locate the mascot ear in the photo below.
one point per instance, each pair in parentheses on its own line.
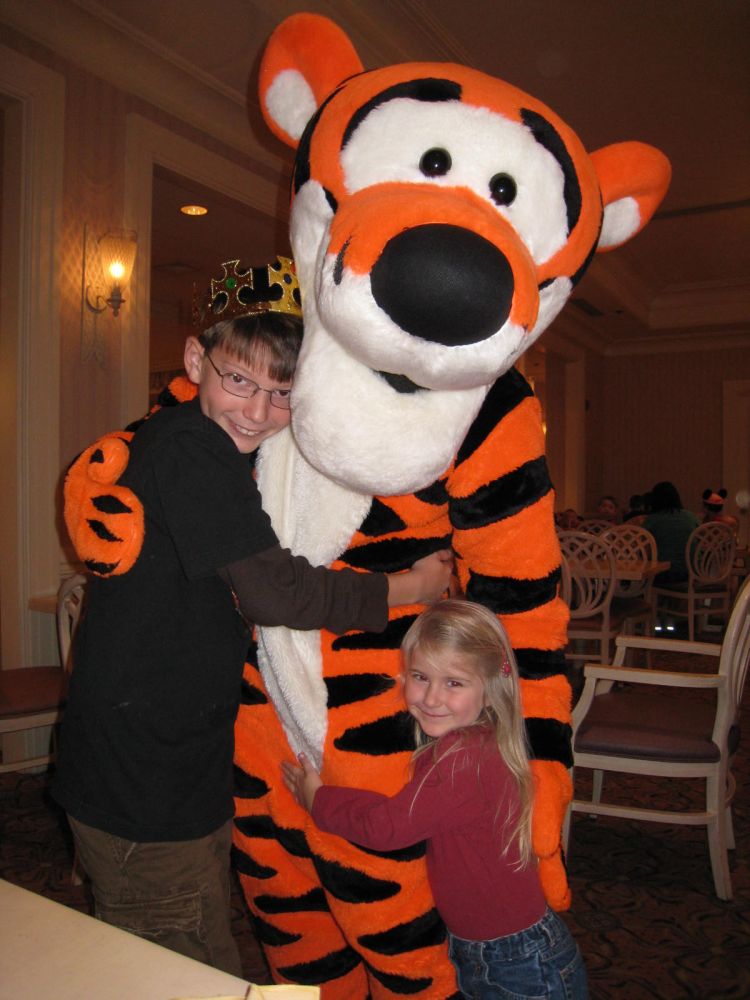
(633,179)
(305,59)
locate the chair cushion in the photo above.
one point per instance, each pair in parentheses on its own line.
(30,690)
(650,724)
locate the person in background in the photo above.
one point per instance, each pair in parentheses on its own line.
(637,509)
(671,526)
(470,797)
(608,509)
(713,509)
(568,520)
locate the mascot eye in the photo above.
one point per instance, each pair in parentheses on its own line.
(435,162)
(503,189)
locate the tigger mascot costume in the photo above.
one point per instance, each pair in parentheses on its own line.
(440,219)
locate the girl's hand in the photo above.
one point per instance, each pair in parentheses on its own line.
(303,781)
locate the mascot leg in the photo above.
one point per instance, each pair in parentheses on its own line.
(360,926)
(300,938)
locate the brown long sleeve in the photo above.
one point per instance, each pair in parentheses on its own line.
(274,587)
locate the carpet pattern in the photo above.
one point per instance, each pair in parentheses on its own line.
(644,911)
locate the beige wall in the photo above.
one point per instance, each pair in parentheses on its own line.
(654,417)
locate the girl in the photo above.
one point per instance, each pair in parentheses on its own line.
(470,798)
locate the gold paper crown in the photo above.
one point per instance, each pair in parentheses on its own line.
(268,288)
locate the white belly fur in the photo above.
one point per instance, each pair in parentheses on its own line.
(314,517)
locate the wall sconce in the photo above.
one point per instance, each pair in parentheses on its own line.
(107,267)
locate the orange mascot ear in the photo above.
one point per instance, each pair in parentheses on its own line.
(633,179)
(305,59)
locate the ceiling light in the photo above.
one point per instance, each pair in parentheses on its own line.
(193,210)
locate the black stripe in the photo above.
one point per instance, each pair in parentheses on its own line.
(263,828)
(428,89)
(245,865)
(400,984)
(101,531)
(423,931)
(547,136)
(313,901)
(351,688)
(550,739)
(391,734)
(267,934)
(390,638)
(504,497)
(393,554)
(505,395)
(589,257)
(251,695)
(436,495)
(322,970)
(411,853)
(248,786)
(100,568)
(381,520)
(109,504)
(351,885)
(507,595)
(538,664)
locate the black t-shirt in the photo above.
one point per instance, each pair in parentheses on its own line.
(147,738)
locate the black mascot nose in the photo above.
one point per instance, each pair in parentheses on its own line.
(444,284)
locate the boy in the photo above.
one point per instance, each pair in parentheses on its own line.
(145,764)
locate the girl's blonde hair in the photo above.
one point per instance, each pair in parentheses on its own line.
(473,632)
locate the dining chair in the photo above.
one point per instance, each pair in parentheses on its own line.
(679,724)
(32,697)
(593,624)
(709,557)
(634,599)
(594,525)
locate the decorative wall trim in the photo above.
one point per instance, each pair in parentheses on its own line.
(31,349)
(147,145)
(92,37)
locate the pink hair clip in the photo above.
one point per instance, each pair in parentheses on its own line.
(505,666)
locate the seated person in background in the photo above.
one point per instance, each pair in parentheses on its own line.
(568,520)
(713,509)
(671,526)
(637,509)
(608,509)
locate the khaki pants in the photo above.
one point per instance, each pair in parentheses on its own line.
(174,893)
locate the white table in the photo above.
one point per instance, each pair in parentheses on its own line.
(49,950)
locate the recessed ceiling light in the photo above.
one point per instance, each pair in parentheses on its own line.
(193,210)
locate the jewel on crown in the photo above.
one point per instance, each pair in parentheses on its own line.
(245,292)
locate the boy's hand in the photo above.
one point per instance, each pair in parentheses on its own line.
(303,781)
(428,580)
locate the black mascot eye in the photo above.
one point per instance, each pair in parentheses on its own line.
(503,189)
(435,162)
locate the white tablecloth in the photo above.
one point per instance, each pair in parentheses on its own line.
(50,952)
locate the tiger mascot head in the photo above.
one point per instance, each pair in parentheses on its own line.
(440,219)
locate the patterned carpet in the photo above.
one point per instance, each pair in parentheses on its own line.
(644,910)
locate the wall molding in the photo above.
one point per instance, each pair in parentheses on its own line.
(148,145)
(32,221)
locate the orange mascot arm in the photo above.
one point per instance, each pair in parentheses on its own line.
(104,520)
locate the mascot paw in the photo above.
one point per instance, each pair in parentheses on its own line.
(553,790)
(554,879)
(104,521)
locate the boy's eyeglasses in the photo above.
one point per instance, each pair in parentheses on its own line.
(238,385)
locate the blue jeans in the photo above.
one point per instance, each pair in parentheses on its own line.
(541,961)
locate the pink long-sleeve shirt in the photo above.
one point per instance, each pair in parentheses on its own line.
(457,800)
